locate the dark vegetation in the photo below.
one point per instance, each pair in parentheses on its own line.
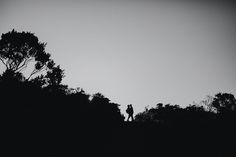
(43,117)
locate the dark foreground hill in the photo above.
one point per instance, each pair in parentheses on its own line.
(27,137)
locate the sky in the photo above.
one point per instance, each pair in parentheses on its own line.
(139,52)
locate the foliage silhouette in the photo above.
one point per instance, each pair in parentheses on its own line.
(43,117)
(104,110)
(174,115)
(224,102)
(17,49)
(43,96)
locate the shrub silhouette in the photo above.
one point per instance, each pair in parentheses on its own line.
(104,110)
(174,115)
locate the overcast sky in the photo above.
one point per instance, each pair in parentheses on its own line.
(135,51)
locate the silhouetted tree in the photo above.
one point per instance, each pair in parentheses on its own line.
(11,84)
(52,79)
(39,81)
(9,76)
(195,108)
(17,49)
(54,76)
(104,110)
(224,103)
(173,115)
(143,116)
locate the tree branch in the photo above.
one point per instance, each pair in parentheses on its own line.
(11,64)
(35,71)
(4,63)
(24,65)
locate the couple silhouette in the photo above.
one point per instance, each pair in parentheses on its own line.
(130,112)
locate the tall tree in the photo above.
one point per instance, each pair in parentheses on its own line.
(18,49)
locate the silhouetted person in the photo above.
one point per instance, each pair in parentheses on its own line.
(130,112)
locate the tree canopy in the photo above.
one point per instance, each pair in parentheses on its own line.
(17,49)
(224,102)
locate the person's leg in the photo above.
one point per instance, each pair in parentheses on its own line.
(132,118)
(128,118)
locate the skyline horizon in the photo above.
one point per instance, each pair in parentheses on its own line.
(139,53)
(124,105)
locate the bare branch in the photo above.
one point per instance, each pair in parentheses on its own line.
(35,71)
(24,64)
(4,62)
(11,64)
